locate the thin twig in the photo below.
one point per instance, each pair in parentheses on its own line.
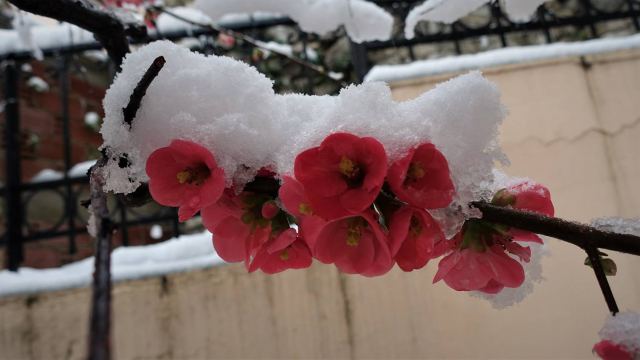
(254,42)
(140,90)
(595,258)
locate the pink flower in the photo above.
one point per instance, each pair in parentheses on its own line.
(479,257)
(343,175)
(226,41)
(355,244)
(296,202)
(286,251)
(185,175)
(237,225)
(608,350)
(422,178)
(527,196)
(488,271)
(413,234)
(269,210)
(294,198)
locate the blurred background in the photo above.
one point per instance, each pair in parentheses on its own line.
(570,77)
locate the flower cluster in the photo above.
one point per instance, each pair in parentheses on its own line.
(346,205)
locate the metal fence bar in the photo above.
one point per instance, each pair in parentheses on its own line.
(632,6)
(70,205)
(13,209)
(360,60)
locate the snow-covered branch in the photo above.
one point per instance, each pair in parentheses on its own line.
(362,20)
(449,11)
(110,30)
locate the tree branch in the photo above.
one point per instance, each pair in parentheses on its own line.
(107,28)
(580,235)
(100,323)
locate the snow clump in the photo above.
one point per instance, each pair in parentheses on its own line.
(363,20)
(230,108)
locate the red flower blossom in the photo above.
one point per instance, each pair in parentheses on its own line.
(487,271)
(608,350)
(296,202)
(355,244)
(421,178)
(413,234)
(185,175)
(237,231)
(343,175)
(528,196)
(285,251)
(479,258)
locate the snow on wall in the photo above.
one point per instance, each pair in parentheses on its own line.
(363,21)
(448,11)
(230,108)
(498,57)
(187,252)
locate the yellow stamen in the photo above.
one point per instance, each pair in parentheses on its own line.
(184,176)
(305,209)
(416,171)
(194,176)
(347,167)
(415,228)
(354,232)
(284,255)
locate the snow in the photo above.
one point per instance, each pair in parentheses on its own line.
(47,175)
(156,232)
(187,252)
(92,119)
(44,37)
(498,57)
(623,329)
(38,84)
(22,23)
(40,36)
(618,225)
(363,21)
(81,169)
(285,49)
(76,171)
(521,10)
(446,11)
(449,11)
(230,108)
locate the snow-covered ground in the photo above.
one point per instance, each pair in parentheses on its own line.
(498,57)
(187,252)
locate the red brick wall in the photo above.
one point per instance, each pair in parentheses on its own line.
(41,117)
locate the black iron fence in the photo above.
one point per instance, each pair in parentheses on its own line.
(582,19)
